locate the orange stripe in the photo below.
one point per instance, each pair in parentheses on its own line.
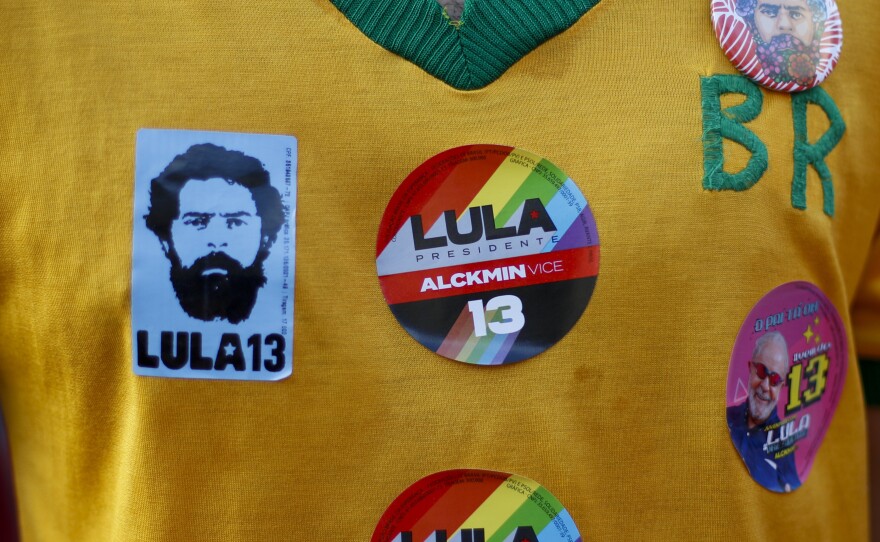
(456,506)
(430,190)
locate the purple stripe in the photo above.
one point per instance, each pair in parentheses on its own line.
(576,236)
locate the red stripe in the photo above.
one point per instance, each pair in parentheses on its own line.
(556,266)
(457,505)
(397,519)
(429,191)
(444,502)
(463,184)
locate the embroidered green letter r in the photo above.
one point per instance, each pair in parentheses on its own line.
(806,154)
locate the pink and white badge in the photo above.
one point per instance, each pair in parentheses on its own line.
(784,45)
(786,374)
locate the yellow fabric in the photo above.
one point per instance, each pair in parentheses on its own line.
(623,420)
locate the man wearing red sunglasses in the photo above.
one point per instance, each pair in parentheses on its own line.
(749,420)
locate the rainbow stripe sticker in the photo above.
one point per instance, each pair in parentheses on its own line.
(487,254)
(476,506)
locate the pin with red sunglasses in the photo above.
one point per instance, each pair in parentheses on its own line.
(786,374)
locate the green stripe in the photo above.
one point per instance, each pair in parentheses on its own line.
(535,186)
(531,514)
(492,36)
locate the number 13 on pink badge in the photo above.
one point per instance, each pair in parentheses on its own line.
(786,374)
(487,254)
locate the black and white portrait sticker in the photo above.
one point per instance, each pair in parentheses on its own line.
(213,255)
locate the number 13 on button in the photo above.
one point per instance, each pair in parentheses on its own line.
(487,254)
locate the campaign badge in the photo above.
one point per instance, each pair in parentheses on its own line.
(487,254)
(786,375)
(213,255)
(476,506)
(785,45)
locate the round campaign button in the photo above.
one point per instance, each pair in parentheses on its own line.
(786,374)
(785,45)
(476,506)
(487,254)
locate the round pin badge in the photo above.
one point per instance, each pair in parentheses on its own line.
(786,374)
(476,506)
(784,45)
(487,254)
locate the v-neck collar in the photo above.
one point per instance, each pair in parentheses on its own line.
(491,36)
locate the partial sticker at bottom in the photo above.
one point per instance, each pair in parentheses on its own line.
(786,374)
(476,506)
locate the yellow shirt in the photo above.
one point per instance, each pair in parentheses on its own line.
(623,420)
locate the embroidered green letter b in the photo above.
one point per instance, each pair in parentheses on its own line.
(728,123)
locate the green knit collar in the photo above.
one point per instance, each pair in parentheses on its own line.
(491,37)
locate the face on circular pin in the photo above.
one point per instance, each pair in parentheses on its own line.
(487,254)
(787,371)
(784,45)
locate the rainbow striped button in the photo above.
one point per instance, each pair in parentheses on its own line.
(476,506)
(487,254)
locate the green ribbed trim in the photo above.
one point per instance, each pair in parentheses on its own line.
(491,36)
(871,380)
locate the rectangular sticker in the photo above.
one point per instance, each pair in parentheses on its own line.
(213,255)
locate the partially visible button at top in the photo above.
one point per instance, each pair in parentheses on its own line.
(784,45)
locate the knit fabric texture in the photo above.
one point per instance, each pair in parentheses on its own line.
(623,420)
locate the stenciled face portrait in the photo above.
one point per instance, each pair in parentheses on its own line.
(216,216)
(768,370)
(213,250)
